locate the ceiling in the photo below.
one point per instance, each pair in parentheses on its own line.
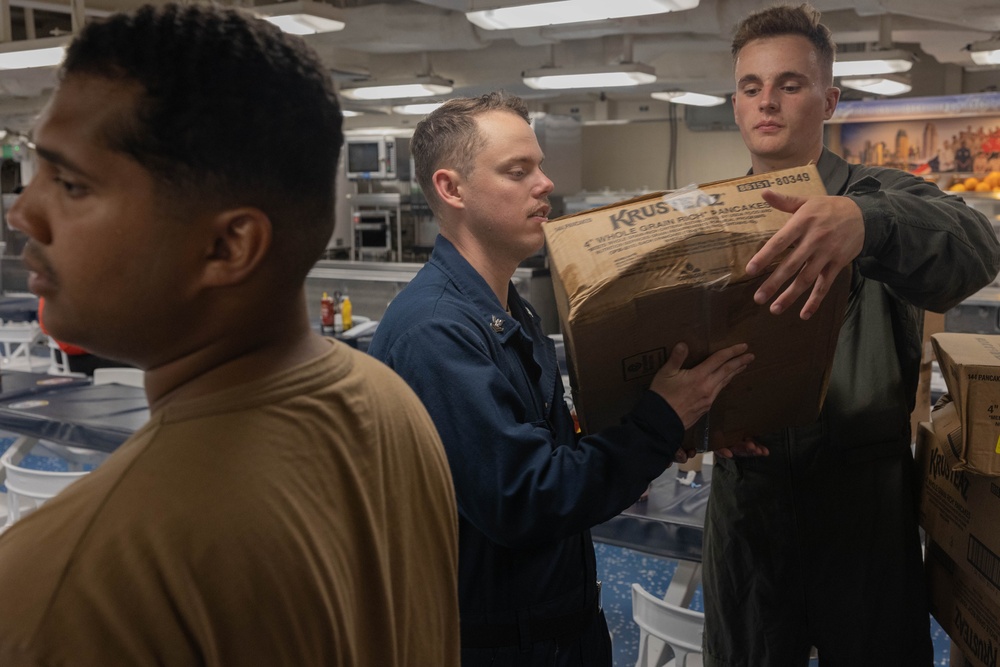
(689,50)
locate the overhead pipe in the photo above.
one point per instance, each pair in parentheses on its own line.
(885,32)
(77,15)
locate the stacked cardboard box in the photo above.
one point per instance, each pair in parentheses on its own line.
(970,364)
(958,506)
(964,610)
(635,278)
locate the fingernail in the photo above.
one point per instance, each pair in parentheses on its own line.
(776,308)
(760,297)
(805,315)
(751,268)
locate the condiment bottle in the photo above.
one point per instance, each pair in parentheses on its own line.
(326,313)
(345,312)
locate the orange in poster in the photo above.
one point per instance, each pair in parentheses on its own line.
(983,187)
(957,187)
(971,182)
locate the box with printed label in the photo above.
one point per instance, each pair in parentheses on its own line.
(970,618)
(970,364)
(958,509)
(635,278)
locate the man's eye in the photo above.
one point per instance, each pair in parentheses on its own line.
(71,188)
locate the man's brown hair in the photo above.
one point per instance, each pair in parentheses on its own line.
(448,137)
(788,20)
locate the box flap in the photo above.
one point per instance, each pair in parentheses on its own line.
(701,237)
(970,365)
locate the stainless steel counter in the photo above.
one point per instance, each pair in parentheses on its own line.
(980,313)
(669,522)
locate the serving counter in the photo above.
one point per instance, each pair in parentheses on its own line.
(372,285)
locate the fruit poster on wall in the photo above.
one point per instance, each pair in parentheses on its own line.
(932,137)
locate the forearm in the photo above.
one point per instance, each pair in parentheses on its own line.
(930,247)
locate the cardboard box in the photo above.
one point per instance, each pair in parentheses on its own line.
(959,510)
(970,364)
(955,656)
(971,619)
(635,278)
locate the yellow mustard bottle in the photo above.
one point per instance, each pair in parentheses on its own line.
(345,312)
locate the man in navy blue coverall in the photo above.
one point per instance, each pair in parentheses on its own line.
(528,489)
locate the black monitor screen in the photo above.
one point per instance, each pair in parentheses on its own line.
(362,157)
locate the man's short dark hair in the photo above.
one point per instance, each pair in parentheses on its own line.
(788,20)
(448,137)
(232,112)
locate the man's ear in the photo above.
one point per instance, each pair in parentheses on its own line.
(446,185)
(832,97)
(240,240)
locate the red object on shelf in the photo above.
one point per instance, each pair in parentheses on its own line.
(327,311)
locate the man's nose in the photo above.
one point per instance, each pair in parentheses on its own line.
(547,185)
(14,217)
(768,100)
(24,217)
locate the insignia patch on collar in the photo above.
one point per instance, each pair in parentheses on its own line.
(497,324)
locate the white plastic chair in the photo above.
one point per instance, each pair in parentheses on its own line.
(16,342)
(131,377)
(668,633)
(27,488)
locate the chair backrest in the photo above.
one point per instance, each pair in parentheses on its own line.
(679,628)
(17,342)
(132,377)
(29,487)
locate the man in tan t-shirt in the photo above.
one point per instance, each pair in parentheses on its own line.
(289,502)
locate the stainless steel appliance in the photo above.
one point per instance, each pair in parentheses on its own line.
(372,232)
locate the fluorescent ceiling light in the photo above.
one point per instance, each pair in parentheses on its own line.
(879,85)
(612,76)
(302,17)
(382,131)
(985,53)
(29,53)
(418,86)
(417,109)
(864,63)
(572,11)
(682,97)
